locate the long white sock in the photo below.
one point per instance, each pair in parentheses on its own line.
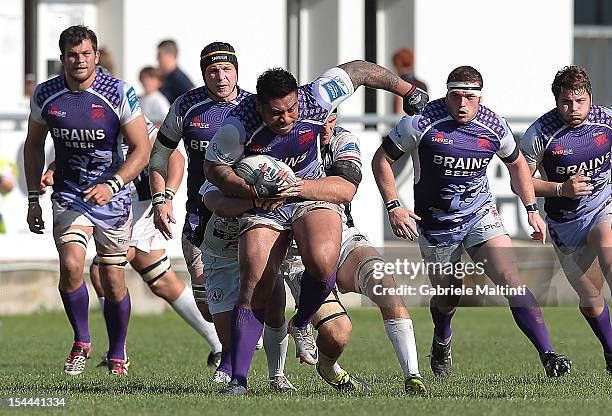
(186,307)
(101,300)
(329,367)
(401,335)
(275,341)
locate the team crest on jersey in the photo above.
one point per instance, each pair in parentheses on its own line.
(97,112)
(560,151)
(56,112)
(196,122)
(600,139)
(440,139)
(483,142)
(305,136)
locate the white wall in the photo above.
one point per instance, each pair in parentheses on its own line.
(256,28)
(517,46)
(11,51)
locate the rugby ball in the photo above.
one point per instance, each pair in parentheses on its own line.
(248,168)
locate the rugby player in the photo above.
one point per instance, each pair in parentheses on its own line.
(451,144)
(147,254)
(221,271)
(87,113)
(341,155)
(570,147)
(283,121)
(195,117)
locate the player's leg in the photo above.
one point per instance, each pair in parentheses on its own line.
(276,340)
(71,242)
(600,238)
(317,230)
(357,273)
(112,248)
(261,251)
(222,286)
(499,262)
(441,306)
(94,276)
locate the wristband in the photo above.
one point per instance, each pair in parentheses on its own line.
(158,199)
(169,193)
(391,205)
(115,183)
(560,189)
(33,196)
(531,208)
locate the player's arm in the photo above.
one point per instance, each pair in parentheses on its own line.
(227,206)
(335,189)
(521,183)
(33,162)
(375,76)
(400,218)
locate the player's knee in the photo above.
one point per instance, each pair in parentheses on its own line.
(367,275)
(71,265)
(336,333)
(153,273)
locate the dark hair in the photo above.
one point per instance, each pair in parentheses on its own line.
(217,52)
(571,78)
(149,71)
(275,83)
(168,46)
(465,73)
(74,35)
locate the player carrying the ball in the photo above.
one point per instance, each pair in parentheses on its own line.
(283,121)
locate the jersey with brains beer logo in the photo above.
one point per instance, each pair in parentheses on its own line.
(562,151)
(450,161)
(86,131)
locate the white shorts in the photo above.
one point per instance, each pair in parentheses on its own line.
(115,240)
(292,268)
(145,237)
(222,283)
(281,219)
(569,241)
(488,227)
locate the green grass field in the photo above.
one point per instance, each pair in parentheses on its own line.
(496,370)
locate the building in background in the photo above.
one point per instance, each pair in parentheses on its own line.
(517,45)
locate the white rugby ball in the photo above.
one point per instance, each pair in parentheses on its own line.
(246,168)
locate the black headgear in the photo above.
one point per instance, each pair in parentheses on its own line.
(218,52)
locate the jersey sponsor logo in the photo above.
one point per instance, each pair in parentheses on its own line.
(600,139)
(78,138)
(293,161)
(196,122)
(461,166)
(199,145)
(56,112)
(257,148)
(305,136)
(132,98)
(560,151)
(350,147)
(440,139)
(589,168)
(335,89)
(97,112)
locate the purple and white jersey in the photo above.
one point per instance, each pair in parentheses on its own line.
(195,118)
(450,162)
(244,133)
(560,151)
(86,131)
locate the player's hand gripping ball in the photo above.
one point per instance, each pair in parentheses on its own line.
(265,174)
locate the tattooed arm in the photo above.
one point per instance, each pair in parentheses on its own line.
(375,76)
